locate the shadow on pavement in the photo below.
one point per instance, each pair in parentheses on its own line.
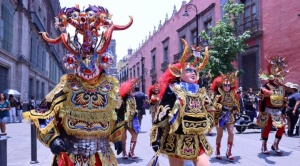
(129,161)
(211,134)
(143,132)
(273,154)
(252,132)
(225,160)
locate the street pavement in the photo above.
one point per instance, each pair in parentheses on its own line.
(246,149)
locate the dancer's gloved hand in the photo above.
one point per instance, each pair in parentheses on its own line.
(224,108)
(234,108)
(118,147)
(57,146)
(156,145)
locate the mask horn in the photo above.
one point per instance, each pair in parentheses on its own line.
(205,60)
(184,54)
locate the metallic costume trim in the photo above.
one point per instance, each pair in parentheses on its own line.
(185,147)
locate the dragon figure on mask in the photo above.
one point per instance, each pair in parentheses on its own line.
(77,120)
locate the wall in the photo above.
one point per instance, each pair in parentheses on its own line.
(281,34)
(170,30)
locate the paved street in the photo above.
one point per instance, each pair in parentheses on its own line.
(246,149)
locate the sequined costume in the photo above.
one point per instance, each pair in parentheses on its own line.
(77,120)
(130,119)
(272,101)
(227,105)
(182,119)
(228,100)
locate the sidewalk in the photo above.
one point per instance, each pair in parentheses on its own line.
(246,149)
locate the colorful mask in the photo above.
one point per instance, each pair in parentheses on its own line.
(190,60)
(87,57)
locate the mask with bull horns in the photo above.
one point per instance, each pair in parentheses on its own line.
(87,48)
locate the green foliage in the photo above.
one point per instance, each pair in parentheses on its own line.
(224,43)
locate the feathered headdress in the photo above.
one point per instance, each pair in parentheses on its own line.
(276,69)
(230,78)
(152,88)
(127,87)
(190,57)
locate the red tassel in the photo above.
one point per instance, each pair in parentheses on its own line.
(64,160)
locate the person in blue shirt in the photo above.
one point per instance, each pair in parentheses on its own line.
(140,99)
(293,112)
(4,112)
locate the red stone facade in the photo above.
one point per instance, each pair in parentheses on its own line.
(274,31)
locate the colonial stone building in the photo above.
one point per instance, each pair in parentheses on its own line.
(27,63)
(273,29)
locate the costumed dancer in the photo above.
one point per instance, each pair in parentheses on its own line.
(227,105)
(182,119)
(272,102)
(154,99)
(77,119)
(131,116)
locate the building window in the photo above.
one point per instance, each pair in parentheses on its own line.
(153,62)
(166,53)
(207,23)
(43,90)
(133,68)
(249,63)
(30,90)
(44,60)
(39,57)
(194,36)
(130,72)
(33,52)
(37,90)
(138,71)
(250,10)
(3,78)
(7,31)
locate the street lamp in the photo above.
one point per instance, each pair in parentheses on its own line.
(186,15)
(144,70)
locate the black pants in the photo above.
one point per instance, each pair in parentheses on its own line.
(293,120)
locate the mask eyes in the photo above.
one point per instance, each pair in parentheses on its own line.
(226,85)
(91,14)
(75,15)
(190,70)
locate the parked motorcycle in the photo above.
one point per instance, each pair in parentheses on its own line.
(244,122)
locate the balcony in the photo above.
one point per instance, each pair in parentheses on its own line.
(177,56)
(164,65)
(36,20)
(252,26)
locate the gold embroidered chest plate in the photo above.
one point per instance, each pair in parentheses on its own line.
(277,97)
(90,110)
(192,111)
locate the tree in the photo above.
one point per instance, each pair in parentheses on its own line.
(224,43)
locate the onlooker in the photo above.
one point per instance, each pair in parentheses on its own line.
(140,99)
(32,103)
(288,92)
(293,109)
(241,99)
(19,109)
(12,111)
(250,103)
(4,112)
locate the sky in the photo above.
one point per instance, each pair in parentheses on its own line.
(146,14)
